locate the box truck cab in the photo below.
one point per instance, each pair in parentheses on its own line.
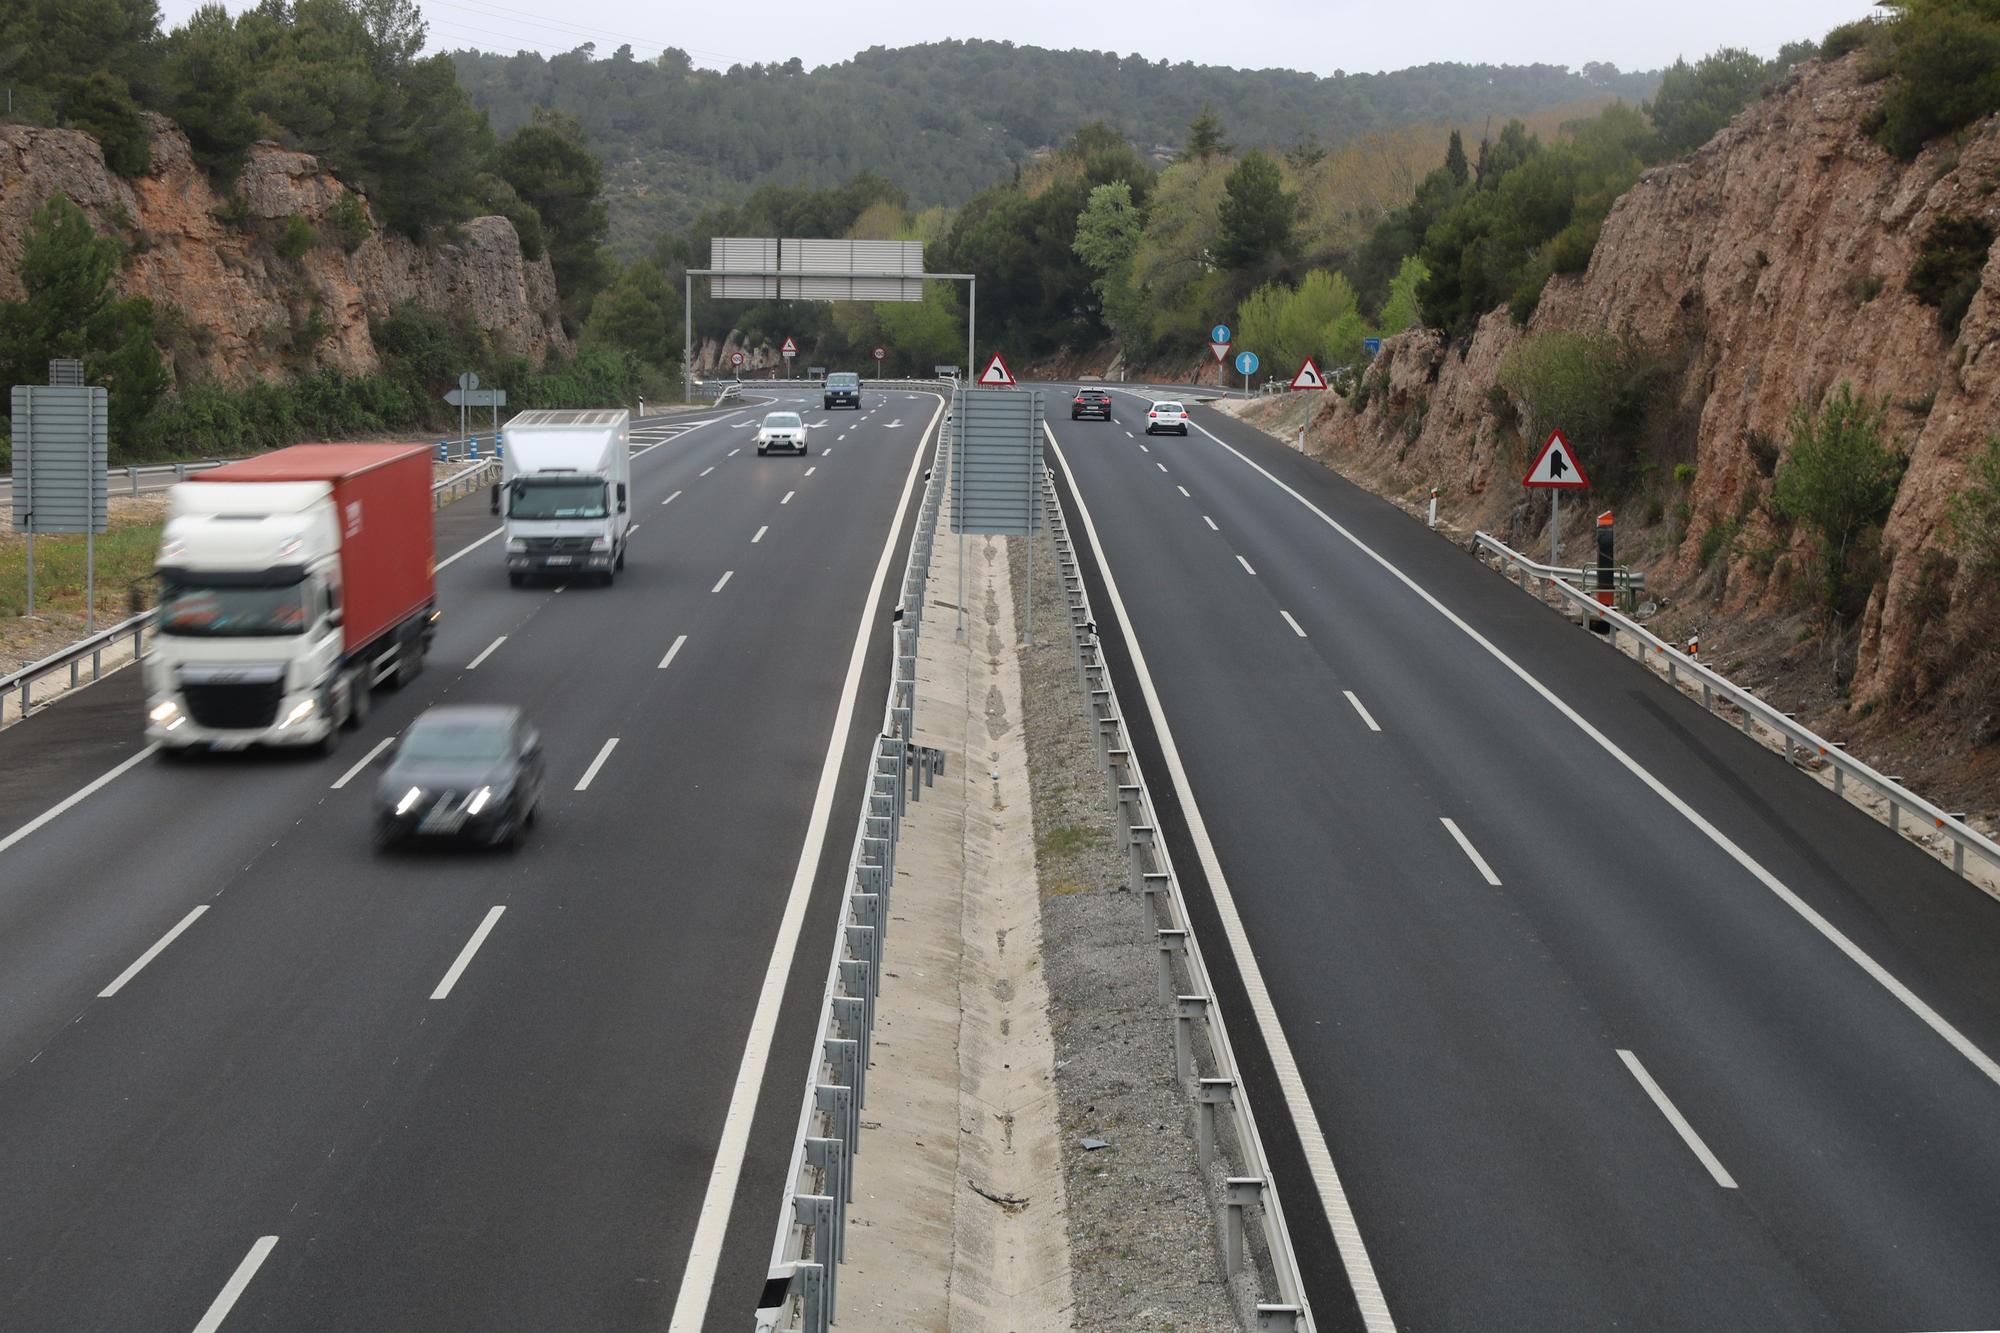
(564,491)
(291,585)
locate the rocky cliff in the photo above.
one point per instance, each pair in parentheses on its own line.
(1762,271)
(250,312)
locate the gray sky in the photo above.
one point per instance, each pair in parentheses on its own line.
(1354,35)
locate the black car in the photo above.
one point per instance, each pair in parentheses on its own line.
(1090,403)
(842,390)
(467,771)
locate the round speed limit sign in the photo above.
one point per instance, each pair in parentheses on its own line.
(881,353)
(736,359)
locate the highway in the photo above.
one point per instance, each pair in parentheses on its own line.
(254,1074)
(1603,1017)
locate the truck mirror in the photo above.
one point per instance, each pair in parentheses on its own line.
(621,497)
(335,618)
(496,497)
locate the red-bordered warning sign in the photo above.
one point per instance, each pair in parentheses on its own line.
(1555,466)
(790,348)
(1309,377)
(996,373)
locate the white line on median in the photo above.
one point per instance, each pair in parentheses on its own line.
(1678,1121)
(1246,566)
(760,534)
(232,1291)
(724,579)
(76,797)
(1296,627)
(1465,845)
(473,665)
(380,746)
(788,497)
(719,1197)
(151,954)
(668,660)
(583,783)
(1211,523)
(1366,716)
(465,954)
(671,498)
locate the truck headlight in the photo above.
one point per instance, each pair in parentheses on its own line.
(165,711)
(600,544)
(517,546)
(300,712)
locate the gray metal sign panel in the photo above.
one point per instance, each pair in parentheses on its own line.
(477,398)
(61,445)
(996,461)
(757,254)
(758,268)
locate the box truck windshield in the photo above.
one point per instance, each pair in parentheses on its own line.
(534,497)
(197,610)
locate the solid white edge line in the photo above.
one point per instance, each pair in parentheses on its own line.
(1678,1121)
(1297,628)
(1246,566)
(1354,1258)
(465,955)
(724,579)
(705,1254)
(369,758)
(1360,708)
(583,783)
(464,551)
(1471,852)
(668,660)
(485,653)
(232,1290)
(76,797)
(760,534)
(150,954)
(1937,1023)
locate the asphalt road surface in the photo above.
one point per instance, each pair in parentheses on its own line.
(460,1090)
(1606,1018)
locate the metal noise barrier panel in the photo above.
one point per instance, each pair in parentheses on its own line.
(812,1223)
(1226,1136)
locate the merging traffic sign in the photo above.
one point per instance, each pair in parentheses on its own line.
(996,373)
(790,348)
(1309,377)
(1555,467)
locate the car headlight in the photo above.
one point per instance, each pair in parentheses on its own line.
(479,800)
(517,546)
(409,801)
(164,711)
(600,544)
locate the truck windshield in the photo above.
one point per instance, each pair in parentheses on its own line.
(557,499)
(195,610)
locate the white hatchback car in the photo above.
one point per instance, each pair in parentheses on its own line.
(782,430)
(1166,416)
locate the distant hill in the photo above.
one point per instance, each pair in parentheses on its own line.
(944,120)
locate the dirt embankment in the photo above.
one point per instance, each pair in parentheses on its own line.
(214,262)
(1763,271)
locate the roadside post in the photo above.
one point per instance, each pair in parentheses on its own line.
(788,351)
(1604,570)
(1555,471)
(1434,507)
(881,353)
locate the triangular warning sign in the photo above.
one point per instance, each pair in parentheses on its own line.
(1309,377)
(790,348)
(996,373)
(1556,466)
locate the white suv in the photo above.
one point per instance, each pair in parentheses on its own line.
(782,430)
(1166,416)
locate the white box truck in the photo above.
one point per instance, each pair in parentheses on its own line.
(564,491)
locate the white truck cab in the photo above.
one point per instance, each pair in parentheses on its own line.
(565,493)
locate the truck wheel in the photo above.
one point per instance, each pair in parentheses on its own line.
(621,561)
(410,661)
(358,701)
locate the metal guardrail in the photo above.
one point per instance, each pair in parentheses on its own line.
(812,1222)
(1800,741)
(134,478)
(22,682)
(1204,1060)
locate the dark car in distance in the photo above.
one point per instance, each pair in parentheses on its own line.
(1090,403)
(472,772)
(843,389)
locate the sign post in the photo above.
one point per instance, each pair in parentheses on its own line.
(61,443)
(788,351)
(736,364)
(1218,346)
(880,354)
(1555,471)
(1246,366)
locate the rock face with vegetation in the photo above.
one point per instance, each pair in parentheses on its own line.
(288,272)
(1700,359)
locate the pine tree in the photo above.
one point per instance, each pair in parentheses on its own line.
(1257,213)
(1454,159)
(1205,137)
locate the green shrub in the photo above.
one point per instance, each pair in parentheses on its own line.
(1604,393)
(1945,55)
(1972,519)
(1839,482)
(295,239)
(347,223)
(1850,37)
(1684,474)
(1719,539)
(1948,267)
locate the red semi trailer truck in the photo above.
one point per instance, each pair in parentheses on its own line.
(291,586)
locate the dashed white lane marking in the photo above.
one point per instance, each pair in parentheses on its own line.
(1678,1121)
(1183,490)
(590,774)
(733,452)
(788,497)
(1296,627)
(724,579)
(485,653)
(1144,450)
(380,746)
(760,534)
(1472,853)
(1211,523)
(232,1291)
(1246,566)
(668,660)
(150,954)
(671,498)
(809,471)
(1366,716)
(465,954)
(710,468)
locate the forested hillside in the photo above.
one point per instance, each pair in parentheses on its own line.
(947,119)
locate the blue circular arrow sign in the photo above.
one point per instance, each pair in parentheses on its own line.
(1246,363)
(1219,334)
